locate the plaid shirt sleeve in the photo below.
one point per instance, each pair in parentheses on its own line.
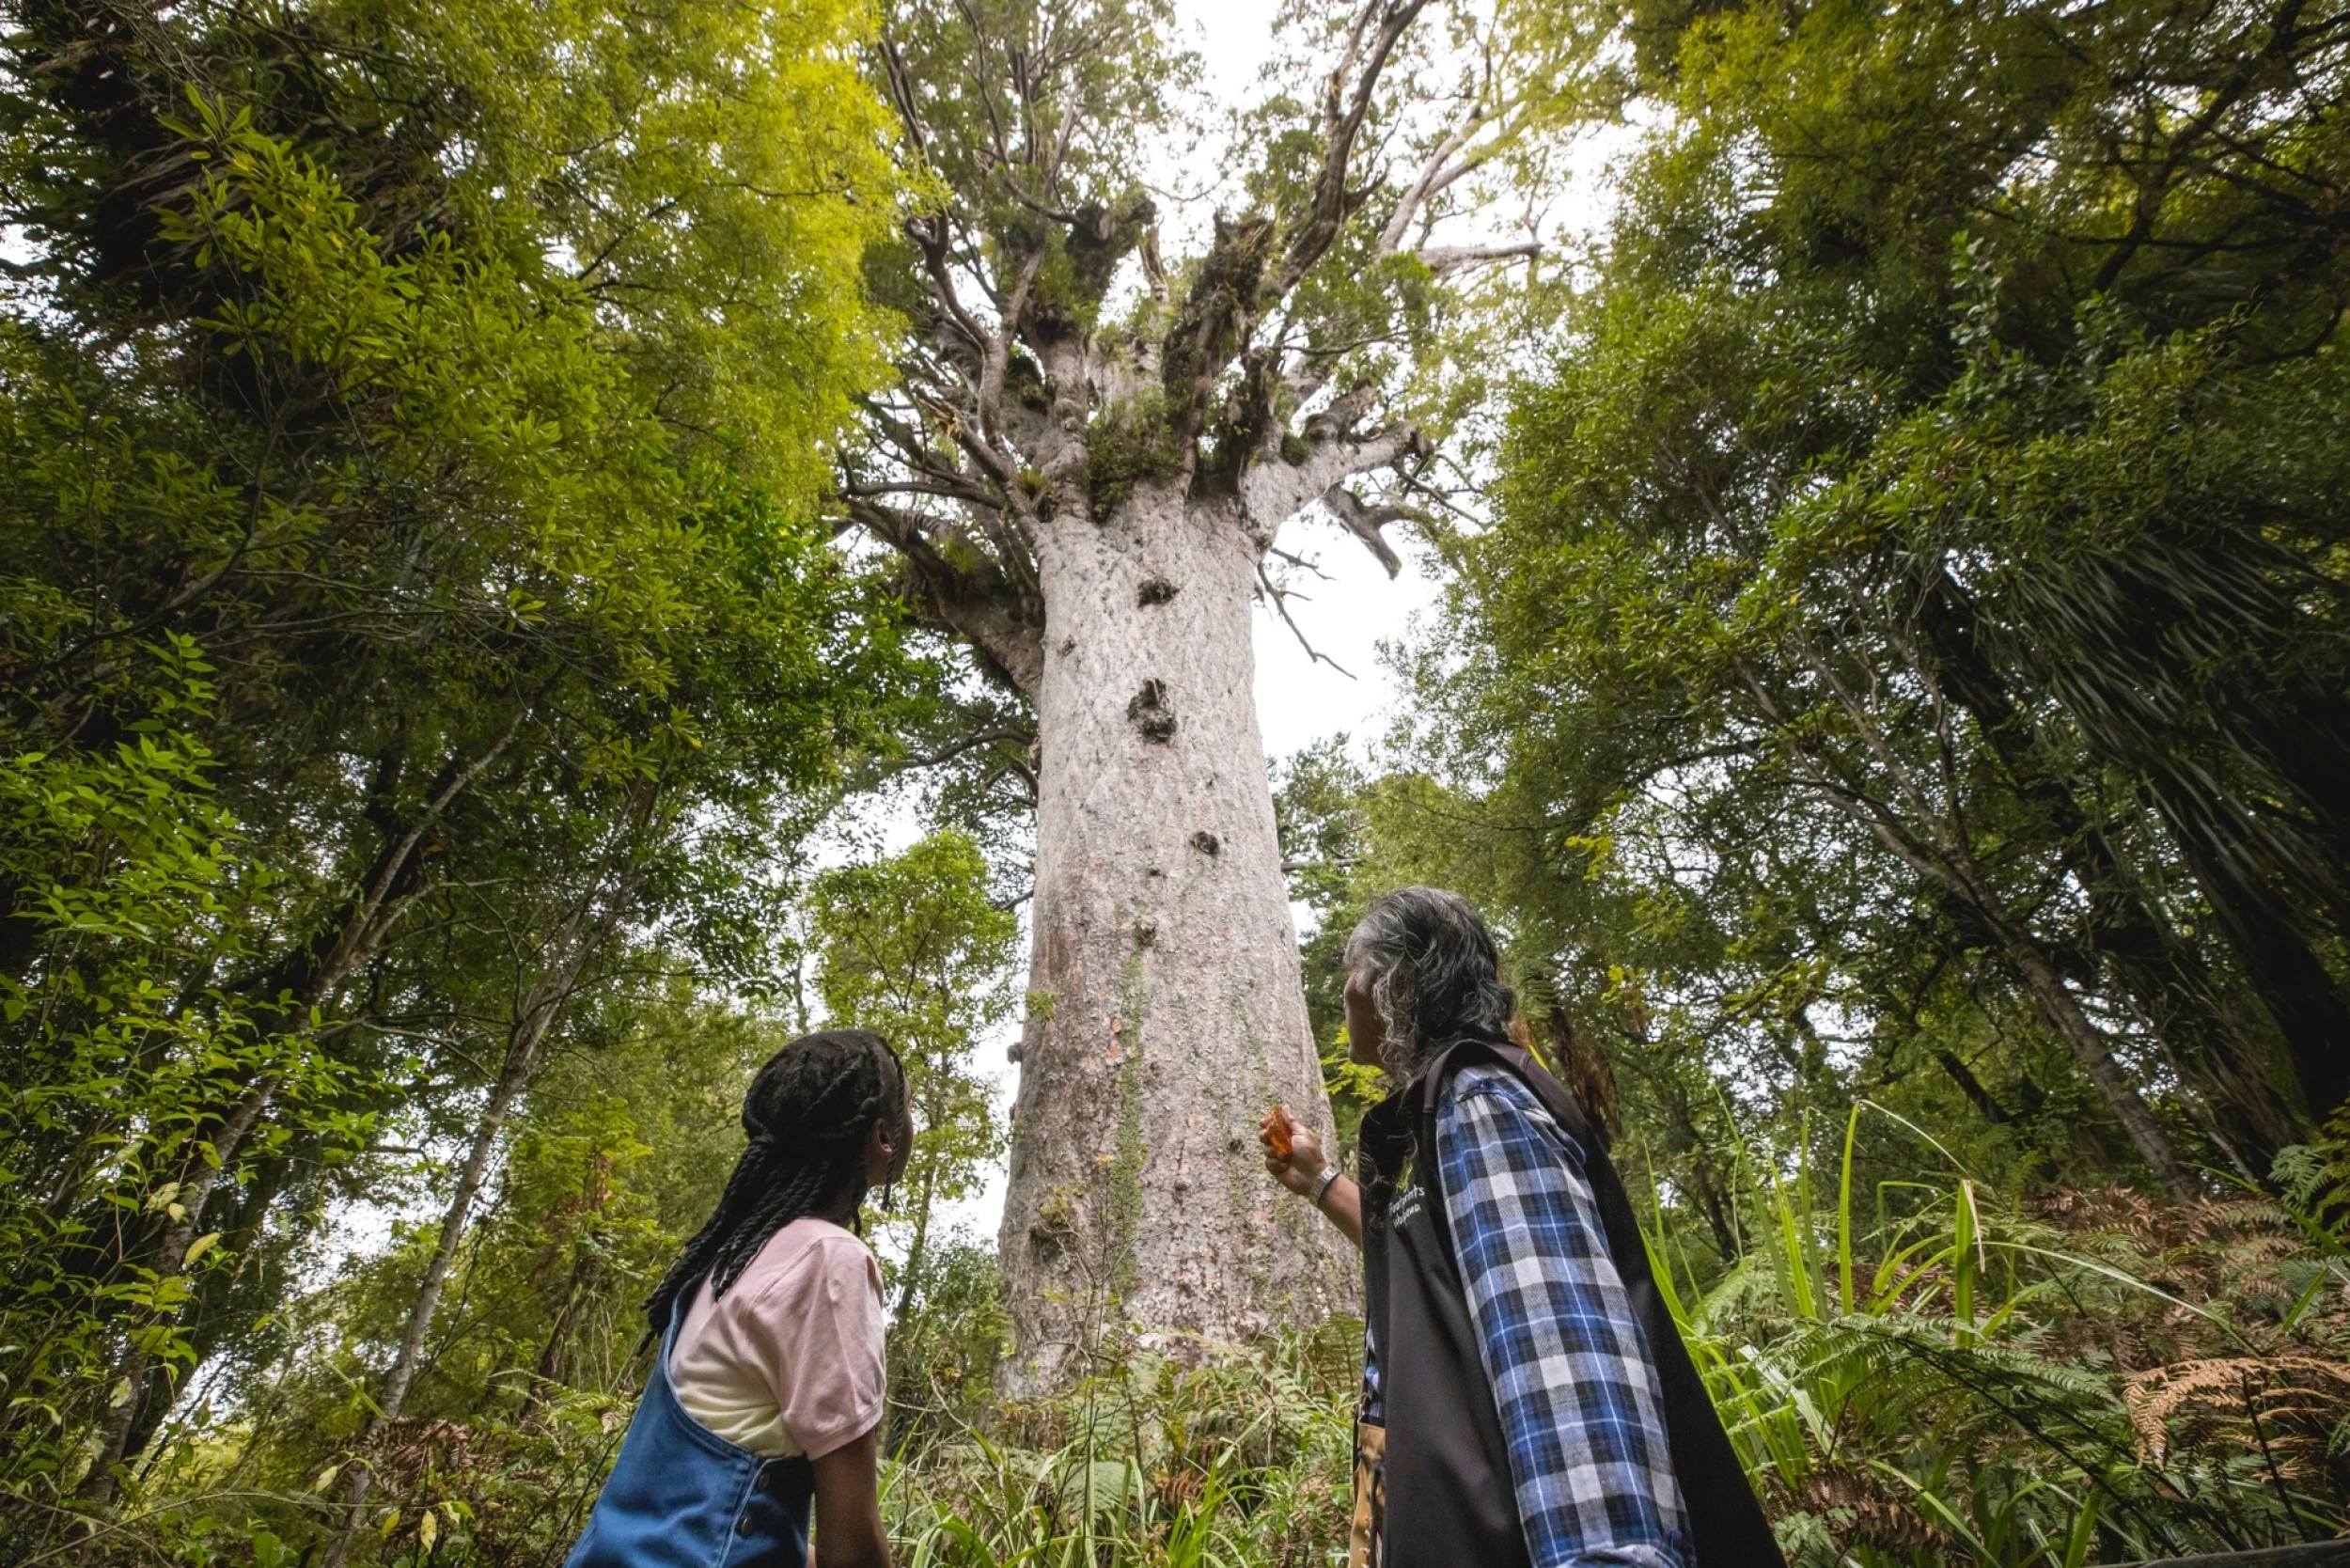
(1580,1403)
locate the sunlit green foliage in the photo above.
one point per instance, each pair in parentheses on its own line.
(914,945)
(415,631)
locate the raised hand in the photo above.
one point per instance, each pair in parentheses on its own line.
(1292,1154)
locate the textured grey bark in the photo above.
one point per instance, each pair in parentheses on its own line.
(1170,1014)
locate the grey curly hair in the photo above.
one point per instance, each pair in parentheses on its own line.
(1434,975)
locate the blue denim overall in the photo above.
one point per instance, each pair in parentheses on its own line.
(683,1496)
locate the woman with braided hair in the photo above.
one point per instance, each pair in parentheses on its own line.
(767,1392)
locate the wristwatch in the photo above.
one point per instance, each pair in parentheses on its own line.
(1321,1184)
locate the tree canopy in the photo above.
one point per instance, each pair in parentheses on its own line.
(1907,574)
(417,628)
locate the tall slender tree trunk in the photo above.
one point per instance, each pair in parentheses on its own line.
(2094,1052)
(307,976)
(916,1250)
(171,1259)
(539,1009)
(1170,1013)
(1956,868)
(1954,864)
(586,1276)
(1932,838)
(393,1396)
(2196,1024)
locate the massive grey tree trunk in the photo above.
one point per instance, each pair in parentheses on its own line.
(1168,1014)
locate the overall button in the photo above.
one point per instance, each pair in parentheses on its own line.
(744,1524)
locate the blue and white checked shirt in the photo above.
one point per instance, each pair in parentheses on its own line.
(1581,1407)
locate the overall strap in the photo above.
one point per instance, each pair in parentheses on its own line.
(680,1307)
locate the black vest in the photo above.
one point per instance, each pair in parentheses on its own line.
(1449,1501)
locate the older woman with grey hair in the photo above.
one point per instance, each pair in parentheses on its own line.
(1526,1397)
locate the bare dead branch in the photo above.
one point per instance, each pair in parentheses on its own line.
(988,735)
(1277,596)
(1444,261)
(1343,121)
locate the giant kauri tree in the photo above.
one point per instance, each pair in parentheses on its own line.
(1092,451)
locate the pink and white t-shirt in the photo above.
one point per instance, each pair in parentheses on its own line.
(790,1359)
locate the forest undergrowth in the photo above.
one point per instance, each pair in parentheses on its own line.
(1926,1373)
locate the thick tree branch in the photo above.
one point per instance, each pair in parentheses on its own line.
(991,399)
(1444,261)
(980,604)
(989,735)
(1343,122)
(1278,490)
(1436,175)
(1364,523)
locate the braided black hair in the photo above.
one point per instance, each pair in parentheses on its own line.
(809,1113)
